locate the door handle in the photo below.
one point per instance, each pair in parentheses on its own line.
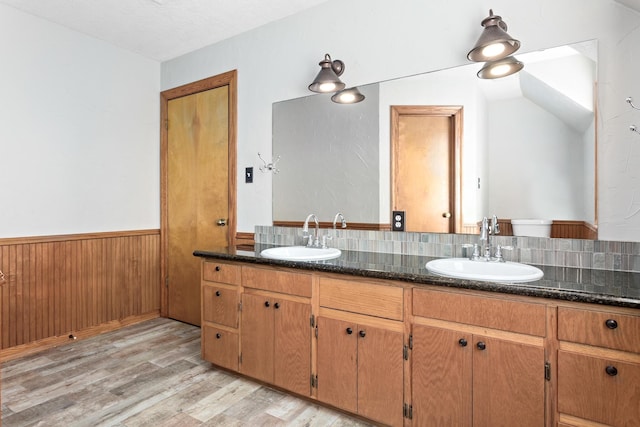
(221,222)
(446,215)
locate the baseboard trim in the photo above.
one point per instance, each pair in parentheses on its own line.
(46,343)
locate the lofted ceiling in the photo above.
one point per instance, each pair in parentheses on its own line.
(165,29)
(161,29)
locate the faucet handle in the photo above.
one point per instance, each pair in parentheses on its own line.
(499,250)
(324,240)
(476,251)
(309,238)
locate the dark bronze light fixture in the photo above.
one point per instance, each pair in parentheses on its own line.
(494,43)
(328,79)
(348,96)
(500,68)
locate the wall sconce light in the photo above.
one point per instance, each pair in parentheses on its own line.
(328,79)
(348,96)
(494,43)
(495,47)
(500,68)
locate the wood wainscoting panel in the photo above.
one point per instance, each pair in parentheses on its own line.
(59,285)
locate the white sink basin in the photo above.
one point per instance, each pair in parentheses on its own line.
(504,272)
(301,253)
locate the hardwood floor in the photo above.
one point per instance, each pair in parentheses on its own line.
(149,374)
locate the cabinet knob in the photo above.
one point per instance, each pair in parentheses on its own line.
(218,336)
(276,305)
(481,345)
(217,293)
(266,304)
(217,268)
(462,342)
(362,333)
(611,324)
(611,371)
(349,331)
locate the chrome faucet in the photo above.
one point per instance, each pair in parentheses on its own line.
(313,241)
(487,229)
(343,221)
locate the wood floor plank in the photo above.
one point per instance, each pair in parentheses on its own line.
(147,374)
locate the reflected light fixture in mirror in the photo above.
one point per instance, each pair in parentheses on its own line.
(500,68)
(328,79)
(494,43)
(348,96)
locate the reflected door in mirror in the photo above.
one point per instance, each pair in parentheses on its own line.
(424,166)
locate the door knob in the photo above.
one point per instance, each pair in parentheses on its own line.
(362,333)
(221,222)
(481,345)
(446,215)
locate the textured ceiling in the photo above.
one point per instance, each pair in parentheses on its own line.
(165,29)
(162,29)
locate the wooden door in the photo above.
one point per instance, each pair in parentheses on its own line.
(508,384)
(425,152)
(441,363)
(197,192)
(257,338)
(292,361)
(337,363)
(380,375)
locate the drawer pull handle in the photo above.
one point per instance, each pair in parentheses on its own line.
(266,304)
(217,268)
(462,342)
(612,371)
(481,345)
(362,333)
(276,305)
(217,293)
(218,336)
(349,331)
(611,324)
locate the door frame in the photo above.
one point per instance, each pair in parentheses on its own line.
(455,113)
(229,79)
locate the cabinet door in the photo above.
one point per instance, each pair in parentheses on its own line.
(220,347)
(441,363)
(292,369)
(220,305)
(599,389)
(380,375)
(508,383)
(257,337)
(337,363)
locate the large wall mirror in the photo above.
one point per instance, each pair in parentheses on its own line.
(528,147)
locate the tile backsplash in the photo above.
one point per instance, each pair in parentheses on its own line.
(593,254)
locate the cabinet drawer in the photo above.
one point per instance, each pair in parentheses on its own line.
(220,347)
(277,281)
(220,305)
(615,331)
(586,390)
(363,298)
(221,272)
(506,315)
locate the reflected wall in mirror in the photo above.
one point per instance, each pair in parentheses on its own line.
(528,145)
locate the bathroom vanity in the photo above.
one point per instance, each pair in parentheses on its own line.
(376,335)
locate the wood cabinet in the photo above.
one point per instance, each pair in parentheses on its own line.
(401,354)
(360,357)
(598,366)
(276,329)
(465,374)
(220,312)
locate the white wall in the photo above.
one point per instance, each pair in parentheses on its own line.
(79,132)
(379,40)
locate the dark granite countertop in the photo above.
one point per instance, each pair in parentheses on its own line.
(564,283)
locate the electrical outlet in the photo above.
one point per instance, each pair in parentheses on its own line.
(248,175)
(397,221)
